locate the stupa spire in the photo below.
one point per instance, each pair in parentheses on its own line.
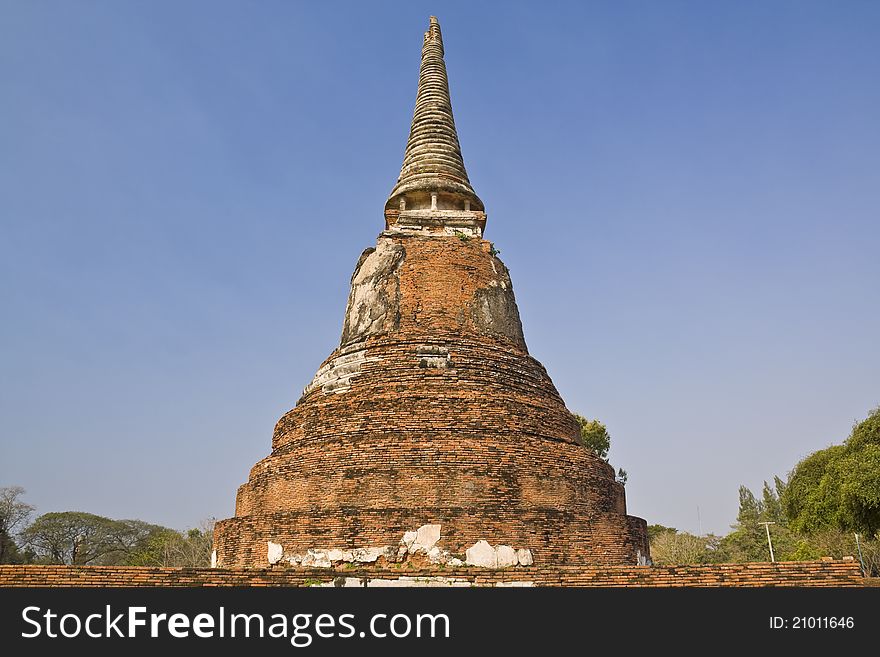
(432,163)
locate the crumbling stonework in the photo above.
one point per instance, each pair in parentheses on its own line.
(374,301)
(437,418)
(494,309)
(431,412)
(417,548)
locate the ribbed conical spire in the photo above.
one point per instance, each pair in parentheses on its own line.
(433,162)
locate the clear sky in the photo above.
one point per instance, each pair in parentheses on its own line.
(686,194)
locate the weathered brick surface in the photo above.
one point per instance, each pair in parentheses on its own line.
(810,573)
(447,419)
(431,411)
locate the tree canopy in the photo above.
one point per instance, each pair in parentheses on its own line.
(595,436)
(77,538)
(838,488)
(829,495)
(13,514)
(748,539)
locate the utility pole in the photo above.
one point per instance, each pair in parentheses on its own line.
(769,542)
(861,559)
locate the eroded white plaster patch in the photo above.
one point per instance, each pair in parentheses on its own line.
(467,231)
(409,538)
(315,559)
(436,555)
(506,556)
(485,555)
(274,552)
(368,555)
(335,377)
(524,557)
(432,356)
(481,554)
(424,540)
(518,584)
(374,291)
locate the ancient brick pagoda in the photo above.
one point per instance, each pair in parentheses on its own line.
(430,435)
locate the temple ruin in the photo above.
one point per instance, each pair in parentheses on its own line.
(430,435)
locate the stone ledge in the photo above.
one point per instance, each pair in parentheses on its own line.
(789,574)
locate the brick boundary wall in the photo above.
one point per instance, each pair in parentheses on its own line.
(838,573)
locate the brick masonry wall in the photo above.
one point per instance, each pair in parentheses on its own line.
(807,573)
(431,411)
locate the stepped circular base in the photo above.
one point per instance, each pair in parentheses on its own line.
(479,443)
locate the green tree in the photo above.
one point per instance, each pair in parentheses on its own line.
(13,514)
(748,540)
(595,436)
(671,548)
(168,547)
(771,502)
(153,552)
(656,530)
(745,542)
(71,537)
(838,488)
(127,538)
(77,538)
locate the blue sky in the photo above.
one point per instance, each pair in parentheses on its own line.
(686,194)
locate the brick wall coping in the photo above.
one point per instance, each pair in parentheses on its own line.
(838,573)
